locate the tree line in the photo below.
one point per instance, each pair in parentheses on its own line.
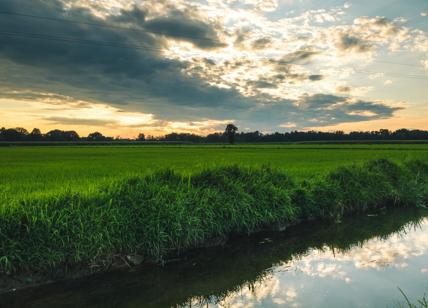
(230,135)
(21,134)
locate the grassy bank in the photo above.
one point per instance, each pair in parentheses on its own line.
(164,213)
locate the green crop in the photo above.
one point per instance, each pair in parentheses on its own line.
(162,213)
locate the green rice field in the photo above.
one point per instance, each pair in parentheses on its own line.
(44,169)
(72,207)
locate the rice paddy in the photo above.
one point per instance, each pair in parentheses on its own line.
(29,170)
(68,207)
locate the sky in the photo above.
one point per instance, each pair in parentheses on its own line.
(124,67)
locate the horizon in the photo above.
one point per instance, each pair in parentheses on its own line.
(238,132)
(129,67)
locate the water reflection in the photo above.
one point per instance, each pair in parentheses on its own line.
(292,283)
(357,263)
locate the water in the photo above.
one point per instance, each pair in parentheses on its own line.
(358,263)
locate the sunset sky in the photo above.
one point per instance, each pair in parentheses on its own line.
(123,67)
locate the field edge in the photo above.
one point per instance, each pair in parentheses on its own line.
(148,218)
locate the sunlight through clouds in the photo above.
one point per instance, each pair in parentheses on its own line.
(216,60)
(90,116)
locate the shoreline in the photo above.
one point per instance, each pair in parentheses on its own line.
(266,248)
(146,219)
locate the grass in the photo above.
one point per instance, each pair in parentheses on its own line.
(41,170)
(421,303)
(157,214)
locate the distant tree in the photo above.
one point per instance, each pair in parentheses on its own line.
(96,136)
(384,133)
(402,134)
(54,135)
(71,135)
(249,136)
(230,132)
(14,134)
(36,132)
(35,135)
(60,135)
(22,130)
(2,130)
(215,138)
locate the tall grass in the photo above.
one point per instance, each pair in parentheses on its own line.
(166,212)
(421,303)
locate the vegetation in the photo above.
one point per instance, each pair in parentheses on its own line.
(46,170)
(229,135)
(240,265)
(421,303)
(167,212)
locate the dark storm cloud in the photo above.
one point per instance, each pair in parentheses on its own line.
(319,110)
(332,109)
(135,16)
(378,109)
(319,101)
(177,25)
(100,63)
(344,104)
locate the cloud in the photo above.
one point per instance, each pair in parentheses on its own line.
(29,95)
(257,78)
(375,110)
(302,56)
(376,76)
(316,77)
(367,34)
(343,89)
(182,62)
(349,42)
(179,26)
(288,125)
(80,121)
(267,5)
(257,5)
(118,72)
(261,43)
(319,110)
(262,84)
(319,101)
